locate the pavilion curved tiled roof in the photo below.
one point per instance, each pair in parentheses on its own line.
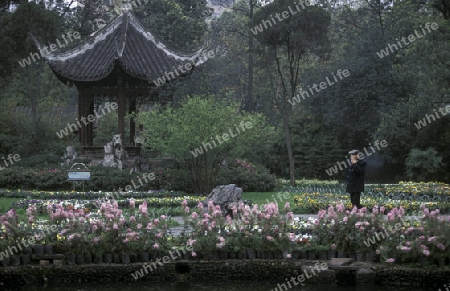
(124,42)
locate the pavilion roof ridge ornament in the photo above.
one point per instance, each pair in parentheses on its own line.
(124,36)
(89,43)
(123,43)
(149,36)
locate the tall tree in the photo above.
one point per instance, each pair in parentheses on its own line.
(291,33)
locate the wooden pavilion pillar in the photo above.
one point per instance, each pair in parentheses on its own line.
(122,107)
(132,123)
(85,107)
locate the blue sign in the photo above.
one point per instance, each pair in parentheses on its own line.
(78,176)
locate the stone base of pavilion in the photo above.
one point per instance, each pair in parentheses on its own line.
(339,271)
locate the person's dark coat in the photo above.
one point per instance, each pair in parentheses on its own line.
(355,176)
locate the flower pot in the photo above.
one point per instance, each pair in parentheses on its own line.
(144,257)
(187,256)
(304,254)
(268,255)
(423,261)
(311,255)
(369,257)
(359,257)
(241,255)
(440,261)
(25,259)
(48,249)
(71,259)
(4,262)
(232,255)
(125,259)
(208,255)
(260,254)
(295,255)
(108,258)
(14,260)
(223,255)
(27,250)
(342,254)
(98,258)
(323,255)
(251,253)
(277,255)
(134,258)
(87,258)
(331,254)
(80,259)
(39,250)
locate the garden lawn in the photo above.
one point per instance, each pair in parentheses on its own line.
(268,197)
(5,204)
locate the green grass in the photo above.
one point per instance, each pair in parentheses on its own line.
(5,203)
(267,197)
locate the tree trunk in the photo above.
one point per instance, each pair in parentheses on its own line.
(287,135)
(249,106)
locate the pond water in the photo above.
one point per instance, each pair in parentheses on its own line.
(219,286)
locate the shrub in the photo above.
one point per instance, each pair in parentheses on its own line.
(422,165)
(250,177)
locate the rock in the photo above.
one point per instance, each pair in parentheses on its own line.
(115,154)
(69,157)
(338,262)
(226,196)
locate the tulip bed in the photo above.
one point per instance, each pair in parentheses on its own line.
(312,198)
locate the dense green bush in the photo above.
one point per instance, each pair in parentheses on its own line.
(423,165)
(102,179)
(250,177)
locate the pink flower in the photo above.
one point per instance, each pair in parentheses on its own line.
(132,218)
(432,239)
(115,226)
(288,256)
(426,252)
(156,246)
(139,226)
(269,238)
(441,247)
(390,260)
(287,206)
(132,203)
(194,254)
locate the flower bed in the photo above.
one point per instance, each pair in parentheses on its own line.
(313,202)
(253,232)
